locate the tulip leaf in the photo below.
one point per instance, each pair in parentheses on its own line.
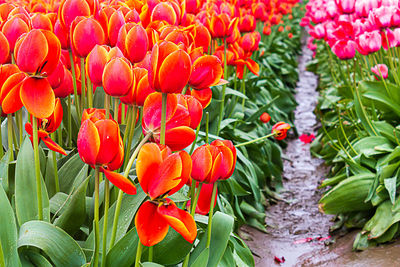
(74,212)
(25,187)
(202,259)
(122,254)
(8,232)
(150,264)
(68,173)
(222,227)
(229,91)
(56,244)
(4,163)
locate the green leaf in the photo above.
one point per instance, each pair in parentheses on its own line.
(68,173)
(122,254)
(229,91)
(8,231)
(56,244)
(222,226)
(25,187)
(150,264)
(74,212)
(202,259)
(390,185)
(4,170)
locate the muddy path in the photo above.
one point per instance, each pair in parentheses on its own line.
(297,231)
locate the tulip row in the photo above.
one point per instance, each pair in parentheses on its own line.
(356,55)
(119,93)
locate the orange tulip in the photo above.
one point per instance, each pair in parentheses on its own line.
(47,126)
(38,52)
(86,33)
(170,68)
(160,174)
(206,72)
(165,11)
(202,37)
(41,21)
(250,41)
(117,77)
(203,96)
(140,88)
(66,87)
(70,9)
(221,26)
(194,107)
(247,23)
(100,144)
(204,201)
(178,133)
(215,161)
(280,130)
(116,21)
(133,42)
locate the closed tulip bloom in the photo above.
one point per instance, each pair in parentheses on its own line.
(47,126)
(70,9)
(117,77)
(136,44)
(265,117)
(178,133)
(206,72)
(247,23)
(344,49)
(160,174)
(41,21)
(194,107)
(346,6)
(212,162)
(280,130)
(380,71)
(100,144)
(170,68)
(116,21)
(202,37)
(369,42)
(164,11)
(13,28)
(85,35)
(140,88)
(222,26)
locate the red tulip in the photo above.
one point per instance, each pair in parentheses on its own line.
(215,161)
(140,88)
(13,28)
(160,174)
(265,117)
(206,72)
(4,49)
(247,23)
(203,96)
(165,11)
(100,144)
(133,42)
(70,9)
(221,25)
(10,81)
(204,201)
(117,77)
(280,130)
(170,68)
(38,52)
(47,126)
(116,21)
(86,33)
(202,37)
(380,71)
(178,133)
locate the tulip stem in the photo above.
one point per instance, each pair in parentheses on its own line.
(107,105)
(121,193)
(210,215)
(37,167)
(207,123)
(163,117)
(19,116)
(1,142)
(76,96)
(132,125)
(255,140)
(69,122)
(151,252)
(56,181)
(96,217)
(83,84)
(138,253)
(195,140)
(90,93)
(221,109)
(105,220)
(116,109)
(9,135)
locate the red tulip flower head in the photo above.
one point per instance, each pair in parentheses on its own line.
(170,68)
(179,118)
(215,161)
(140,88)
(206,72)
(265,117)
(100,145)
(280,130)
(160,174)
(86,33)
(117,77)
(47,126)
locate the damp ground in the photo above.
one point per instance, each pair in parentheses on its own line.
(297,231)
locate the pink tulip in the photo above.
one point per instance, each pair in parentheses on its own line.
(380,70)
(363,7)
(346,6)
(344,49)
(369,42)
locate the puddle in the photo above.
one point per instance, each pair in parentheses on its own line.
(292,221)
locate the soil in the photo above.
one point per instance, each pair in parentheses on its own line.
(297,231)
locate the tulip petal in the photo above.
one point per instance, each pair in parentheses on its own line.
(202,163)
(153,107)
(186,171)
(174,72)
(179,138)
(37,97)
(53,57)
(120,181)
(168,176)
(180,220)
(147,165)
(108,131)
(207,72)
(117,77)
(88,142)
(204,201)
(252,66)
(53,145)
(150,225)
(10,93)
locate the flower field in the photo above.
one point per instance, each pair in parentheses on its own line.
(142,133)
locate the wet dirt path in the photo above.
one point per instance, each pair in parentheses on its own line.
(292,221)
